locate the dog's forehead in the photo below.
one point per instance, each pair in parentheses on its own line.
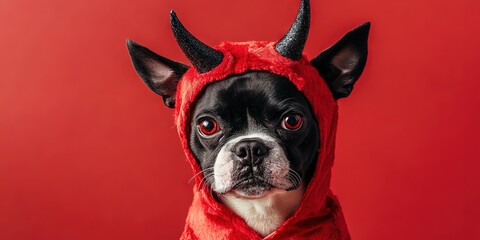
(252,91)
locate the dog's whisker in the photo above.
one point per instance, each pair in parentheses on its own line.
(296,176)
(293,180)
(289,179)
(203,171)
(211,192)
(205,181)
(202,182)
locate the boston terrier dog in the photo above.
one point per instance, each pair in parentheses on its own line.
(254,135)
(256,139)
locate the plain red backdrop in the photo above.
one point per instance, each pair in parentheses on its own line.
(88,152)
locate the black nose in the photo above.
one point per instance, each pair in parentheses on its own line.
(250,152)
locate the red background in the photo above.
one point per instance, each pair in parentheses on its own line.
(88,152)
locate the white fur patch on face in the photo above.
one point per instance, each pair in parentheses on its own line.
(222,170)
(276,164)
(278,167)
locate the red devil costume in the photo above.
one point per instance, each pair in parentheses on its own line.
(319,215)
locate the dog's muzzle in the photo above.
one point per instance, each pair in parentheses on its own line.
(251,164)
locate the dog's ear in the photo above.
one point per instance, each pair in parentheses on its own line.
(160,74)
(342,64)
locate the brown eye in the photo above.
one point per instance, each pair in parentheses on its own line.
(208,126)
(292,122)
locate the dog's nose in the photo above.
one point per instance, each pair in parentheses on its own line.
(250,152)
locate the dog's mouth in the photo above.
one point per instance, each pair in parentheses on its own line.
(252,187)
(258,185)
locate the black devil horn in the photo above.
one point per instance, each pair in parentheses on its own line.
(202,57)
(291,45)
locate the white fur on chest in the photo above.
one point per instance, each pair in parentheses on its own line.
(266,214)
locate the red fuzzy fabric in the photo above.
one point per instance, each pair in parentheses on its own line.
(319,215)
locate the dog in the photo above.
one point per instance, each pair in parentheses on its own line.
(253,134)
(263,120)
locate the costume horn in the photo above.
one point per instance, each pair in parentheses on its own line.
(202,57)
(291,45)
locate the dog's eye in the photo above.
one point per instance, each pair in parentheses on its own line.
(208,126)
(292,122)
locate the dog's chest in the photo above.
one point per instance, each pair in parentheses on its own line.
(265,215)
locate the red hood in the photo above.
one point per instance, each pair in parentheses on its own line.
(319,215)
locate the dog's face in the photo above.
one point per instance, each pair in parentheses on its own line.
(253,132)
